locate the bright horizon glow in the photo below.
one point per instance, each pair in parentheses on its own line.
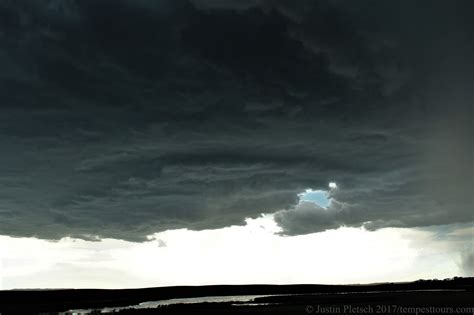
(234,255)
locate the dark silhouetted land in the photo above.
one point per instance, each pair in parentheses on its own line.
(423,296)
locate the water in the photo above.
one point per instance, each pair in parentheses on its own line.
(240,300)
(154,304)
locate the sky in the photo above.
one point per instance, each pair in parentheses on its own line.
(168,142)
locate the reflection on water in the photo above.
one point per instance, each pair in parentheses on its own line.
(239,300)
(154,304)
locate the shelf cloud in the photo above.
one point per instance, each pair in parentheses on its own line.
(121,119)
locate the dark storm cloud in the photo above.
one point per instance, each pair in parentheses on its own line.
(124,118)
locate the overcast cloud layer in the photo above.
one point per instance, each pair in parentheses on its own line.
(124,118)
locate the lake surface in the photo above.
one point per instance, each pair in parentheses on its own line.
(240,300)
(195,300)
